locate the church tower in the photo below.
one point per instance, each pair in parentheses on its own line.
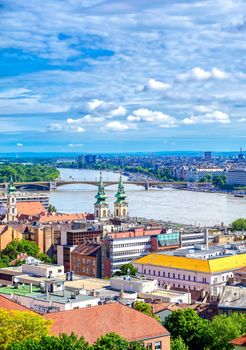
(12,209)
(120,205)
(101,211)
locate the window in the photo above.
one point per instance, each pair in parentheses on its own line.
(144,271)
(149,346)
(194,278)
(159,273)
(168,275)
(154,272)
(173,275)
(59,270)
(204,280)
(189,277)
(179,276)
(149,272)
(163,274)
(158,345)
(183,277)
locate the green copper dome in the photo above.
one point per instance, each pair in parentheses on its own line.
(101,195)
(120,195)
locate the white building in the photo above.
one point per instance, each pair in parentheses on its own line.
(191,273)
(132,284)
(43,270)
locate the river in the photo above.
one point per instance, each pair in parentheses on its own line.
(178,206)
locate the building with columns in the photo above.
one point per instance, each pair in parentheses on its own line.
(101,210)
(120,205)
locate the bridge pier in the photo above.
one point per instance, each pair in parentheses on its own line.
(146,186)
(52,185)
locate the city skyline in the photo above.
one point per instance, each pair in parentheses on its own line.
(122,76)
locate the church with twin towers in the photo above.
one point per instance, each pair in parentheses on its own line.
(101,208)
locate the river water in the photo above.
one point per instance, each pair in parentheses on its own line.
(178,206)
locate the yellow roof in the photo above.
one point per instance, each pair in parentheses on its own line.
(227,263)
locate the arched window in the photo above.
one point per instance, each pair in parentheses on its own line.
(124,212)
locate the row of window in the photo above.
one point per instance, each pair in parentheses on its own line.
(130,252)
(174,276)
(157,346)
(125,245)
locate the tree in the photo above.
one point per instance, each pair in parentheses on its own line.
(111,341)
(64,341)
(178,344)
(125,269)
(239,224)
(18,246)
(145,308)
(52,208)
(21,325)
(194,331)
(219,180)
(225,328)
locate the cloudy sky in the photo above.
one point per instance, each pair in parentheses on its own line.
(122,75)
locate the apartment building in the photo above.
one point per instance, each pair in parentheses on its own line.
(236,177)
(123,247)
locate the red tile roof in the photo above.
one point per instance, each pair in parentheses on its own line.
(45,219)
(30,208)
(93,322)
(239,341)
(9,305)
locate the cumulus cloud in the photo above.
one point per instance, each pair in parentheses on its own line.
(155,85)
(109,109)
(214,117)
(87,119)
(118,126)
(147,115)
(199,74)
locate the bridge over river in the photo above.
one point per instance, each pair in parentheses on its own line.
(53,185)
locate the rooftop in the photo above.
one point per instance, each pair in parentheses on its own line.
(10,305)
(30,208)
(103,319)
(87,283)
(233,297)
(218,264)
(239,341)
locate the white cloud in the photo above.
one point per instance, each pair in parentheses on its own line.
(203,109)
(87,119)
(60,127)
(13,93)
(155,85)
(118,126)
(19,144)
(109,109)
(72,145)
(120,111)
(199,74)
(144,114)
(208,118)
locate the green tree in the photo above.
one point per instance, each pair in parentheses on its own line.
(63,342)
(178,344)
(194,331)
(239,224)
(219,180)
(225,328)
(125,269)
(27,172)
(18,246)
(52,208)
(111,341)
(21,325)
(145,308)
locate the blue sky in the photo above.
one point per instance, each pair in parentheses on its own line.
(130,75)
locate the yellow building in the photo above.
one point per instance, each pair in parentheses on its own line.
(191,273)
